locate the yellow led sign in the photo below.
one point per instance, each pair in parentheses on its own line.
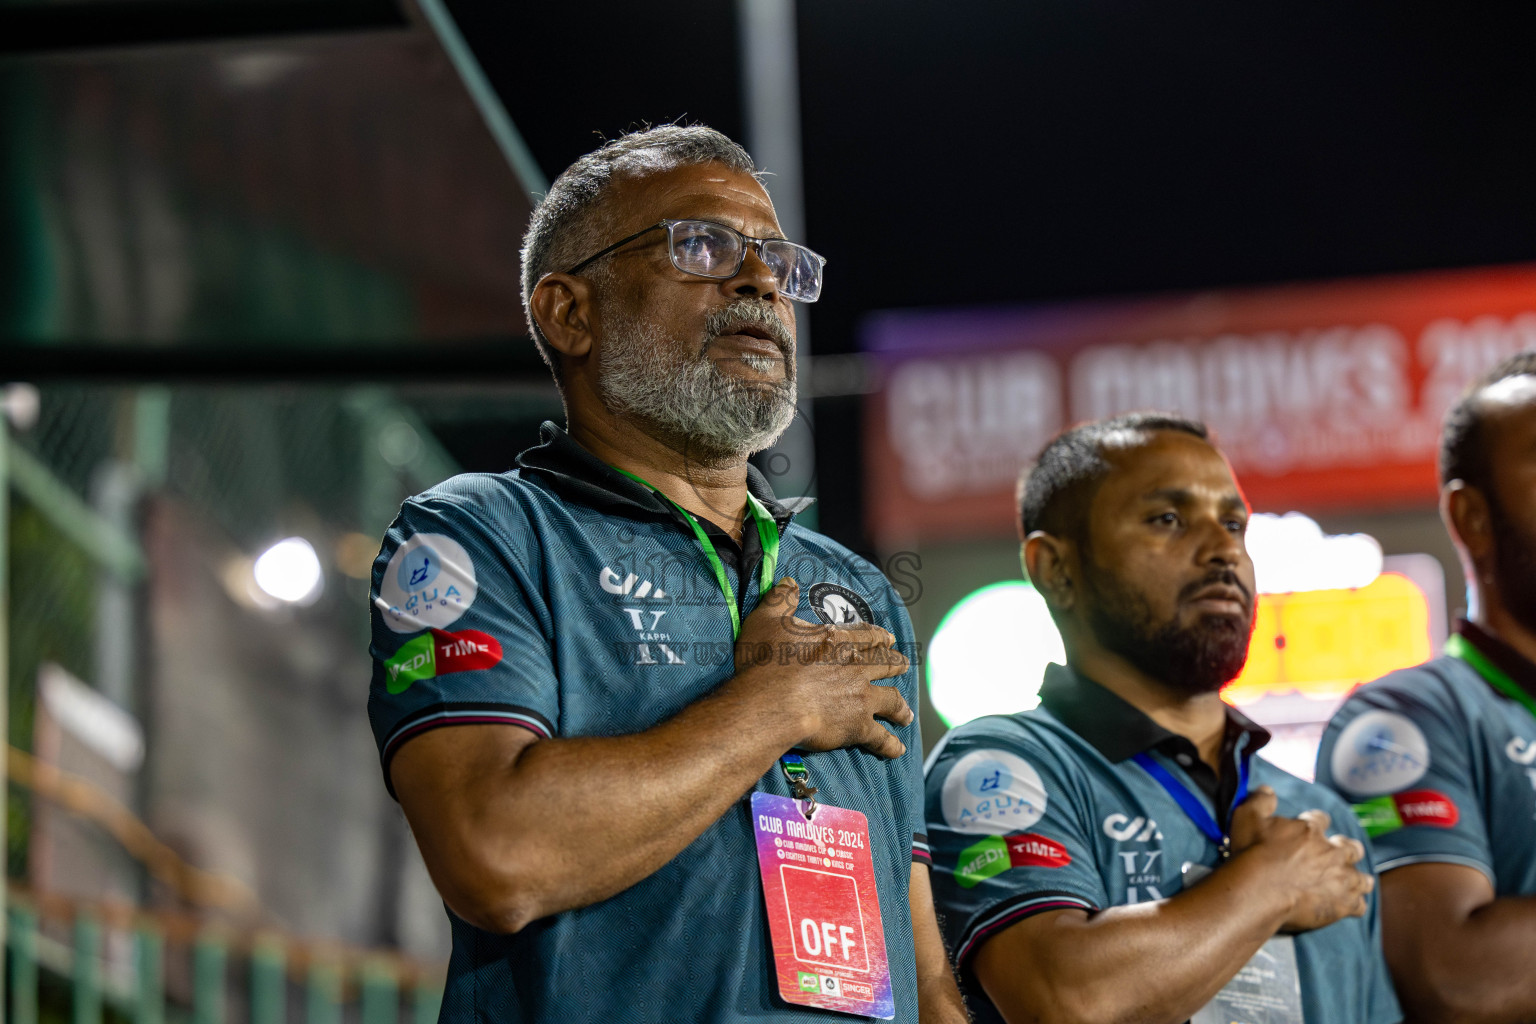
(1323,643)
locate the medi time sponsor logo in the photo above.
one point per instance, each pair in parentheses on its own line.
(996,854)
(437,654)
(1410,807)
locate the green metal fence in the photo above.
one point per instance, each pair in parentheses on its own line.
(236,456)
(272,973)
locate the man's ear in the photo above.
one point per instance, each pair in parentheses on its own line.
(1047,562)
(562,307)
(1465,511)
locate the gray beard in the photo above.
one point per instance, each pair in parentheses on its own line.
(684,399)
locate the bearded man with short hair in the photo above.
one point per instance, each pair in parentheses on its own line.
(668,794)
(1101,858)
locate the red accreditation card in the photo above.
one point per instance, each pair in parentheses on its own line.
(823,911)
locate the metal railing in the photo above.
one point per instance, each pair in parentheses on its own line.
(222,960)
(113,956)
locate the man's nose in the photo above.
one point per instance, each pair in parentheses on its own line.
(753,280)
(1219,544)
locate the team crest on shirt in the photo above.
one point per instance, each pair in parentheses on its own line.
(1379,752)
(428,583)
(992,792)
(836,605)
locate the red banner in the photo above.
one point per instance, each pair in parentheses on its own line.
(1324,396)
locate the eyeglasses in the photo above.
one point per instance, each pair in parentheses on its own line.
(706,249)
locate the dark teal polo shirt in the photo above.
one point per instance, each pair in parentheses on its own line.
(565,599)
(1441,766)
(1046,810)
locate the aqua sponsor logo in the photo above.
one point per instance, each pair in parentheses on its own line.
(1379,752)
(992,792)
(428,583)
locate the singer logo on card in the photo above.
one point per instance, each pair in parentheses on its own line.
(823,908)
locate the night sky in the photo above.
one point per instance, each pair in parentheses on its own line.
(1056,149)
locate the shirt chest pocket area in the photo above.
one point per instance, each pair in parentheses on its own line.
(633,664)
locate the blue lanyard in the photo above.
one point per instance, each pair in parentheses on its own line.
(1191,804)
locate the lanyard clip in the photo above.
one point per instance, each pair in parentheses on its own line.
(799,778)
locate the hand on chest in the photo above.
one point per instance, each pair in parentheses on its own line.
(1146,841)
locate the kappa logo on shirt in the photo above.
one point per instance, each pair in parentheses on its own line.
(1521,751)
(652,644)
(625,586)
(1124,829)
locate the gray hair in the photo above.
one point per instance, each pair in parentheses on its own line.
(566,228)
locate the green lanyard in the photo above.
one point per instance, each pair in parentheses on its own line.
(795,771)
(1459,647)
(767,532)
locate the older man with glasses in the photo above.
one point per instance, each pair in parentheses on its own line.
(669,795)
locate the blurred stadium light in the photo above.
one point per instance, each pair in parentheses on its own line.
(289,571)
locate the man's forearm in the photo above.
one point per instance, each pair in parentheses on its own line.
(1150,962)
(1471,967)
(938,996)
(569,822)
(1486,964)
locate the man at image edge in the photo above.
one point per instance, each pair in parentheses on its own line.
(1439,758)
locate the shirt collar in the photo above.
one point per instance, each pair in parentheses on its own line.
(1115,727)
(1512,662)
(583,477)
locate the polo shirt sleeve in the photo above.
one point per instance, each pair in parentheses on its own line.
(1399,750)
(461,632)
(1008,820)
